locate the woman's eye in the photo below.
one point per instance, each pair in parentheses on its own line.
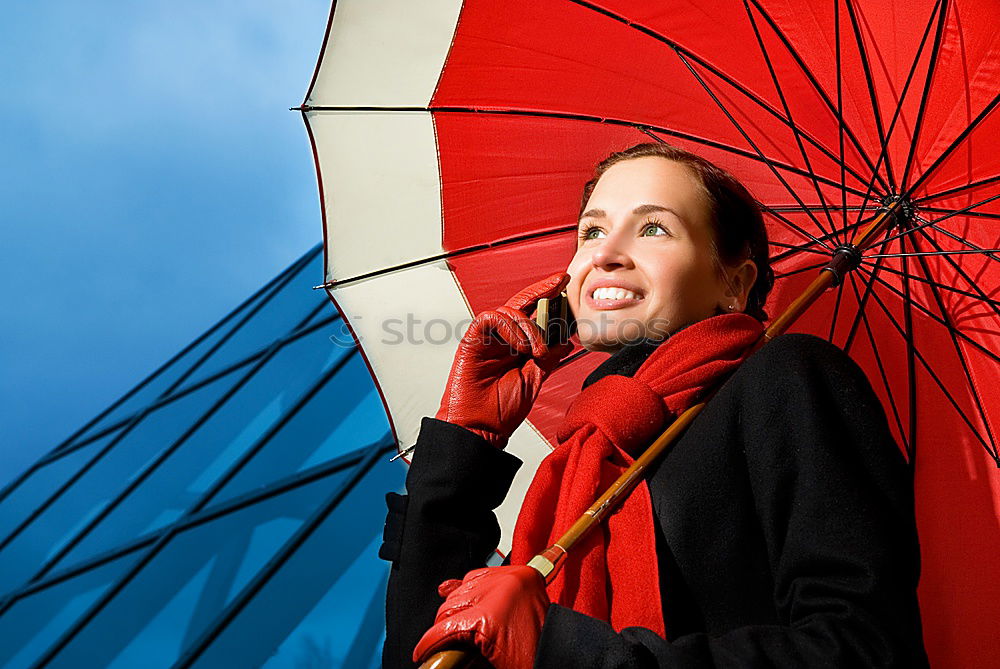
(591,233)
(653,230)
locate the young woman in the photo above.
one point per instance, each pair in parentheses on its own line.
(778,531)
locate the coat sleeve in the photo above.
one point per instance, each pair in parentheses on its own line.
(834,498)
(442,528)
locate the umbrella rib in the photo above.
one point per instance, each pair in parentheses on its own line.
(957,212)
(869,285)
(786,254)
(782,275)
(972,283)
(747,137)
(962,240)
(819,89)
(799,247)
(861,315)
(794,208)
(987,110)
(911,370)
(927,312)
(736,85)
(788,114)
(565,229)
(957,189)
(821,240)
(942,286)
(958,351)
(925,95)
(881,370)
(444,256)
(805,233)
(876,110)
(973,214)
(642,127)
(884,153)
(776,214)
(934,253)
(651,130)
(939,383)
(840,126)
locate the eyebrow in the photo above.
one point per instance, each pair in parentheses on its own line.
(641,210)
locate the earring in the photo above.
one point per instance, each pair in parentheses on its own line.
(732,306)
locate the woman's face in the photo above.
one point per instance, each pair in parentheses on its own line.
(644,264)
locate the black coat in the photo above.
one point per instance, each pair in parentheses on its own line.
(786,532)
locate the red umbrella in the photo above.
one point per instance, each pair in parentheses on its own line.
(452,147)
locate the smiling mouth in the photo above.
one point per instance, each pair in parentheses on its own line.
(610,294)
(612,298)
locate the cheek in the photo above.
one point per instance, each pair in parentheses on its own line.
(704,286)
(580,260)
(577,271)
(685,277)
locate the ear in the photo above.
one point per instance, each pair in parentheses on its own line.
(740,280)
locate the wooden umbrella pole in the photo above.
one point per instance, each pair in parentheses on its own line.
(550,561)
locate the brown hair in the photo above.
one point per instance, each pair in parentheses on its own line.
(737,224)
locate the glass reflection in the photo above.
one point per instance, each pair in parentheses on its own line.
(333,635)
(325,593)
(184,477)
(149,393)
(35,622)
(40,485)
(188,583)
(323,311)
(291,304)
(90,494)
(343,416)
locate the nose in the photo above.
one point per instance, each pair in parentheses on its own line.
(612,254)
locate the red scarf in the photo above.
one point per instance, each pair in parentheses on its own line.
(613,574)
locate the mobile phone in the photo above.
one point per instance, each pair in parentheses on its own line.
(553,316)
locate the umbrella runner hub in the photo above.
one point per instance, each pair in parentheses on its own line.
(901,208)
(846,257)
(896,211)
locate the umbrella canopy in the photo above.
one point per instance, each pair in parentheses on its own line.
(452,144)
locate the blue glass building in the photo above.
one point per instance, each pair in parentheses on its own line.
(226,512)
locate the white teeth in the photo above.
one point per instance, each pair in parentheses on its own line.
(610,293)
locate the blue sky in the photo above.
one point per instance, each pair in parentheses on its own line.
(151,177)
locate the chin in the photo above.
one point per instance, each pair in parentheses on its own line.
(608,339)
(601,346)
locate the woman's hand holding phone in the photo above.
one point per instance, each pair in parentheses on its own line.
(500,365)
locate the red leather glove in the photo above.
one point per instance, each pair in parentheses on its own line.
(500,365)
(499,610)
